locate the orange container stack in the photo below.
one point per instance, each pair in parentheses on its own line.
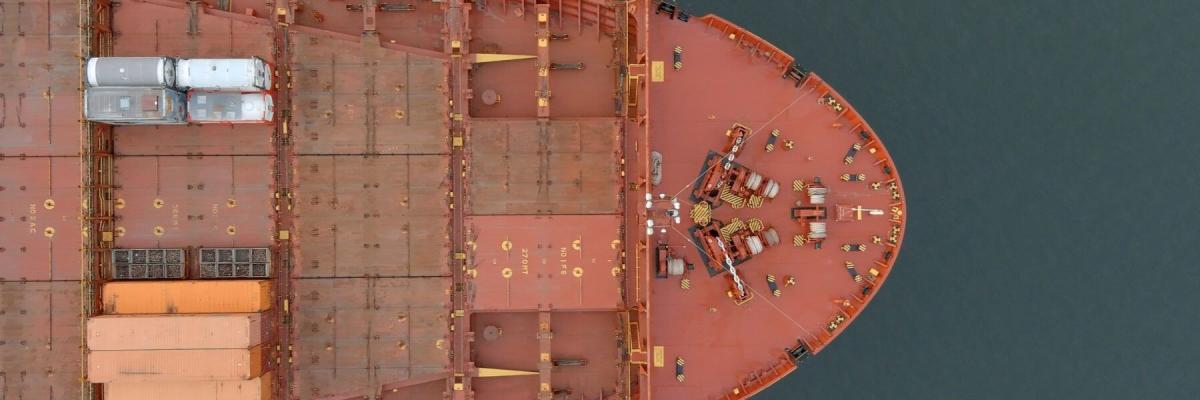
(186,297)
(183,340)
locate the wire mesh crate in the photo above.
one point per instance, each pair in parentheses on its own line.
(147,264)
(249,262)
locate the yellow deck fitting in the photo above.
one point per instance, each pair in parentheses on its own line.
(733,226)
(732,199)
(799,240)
(480,58)
(798,185)
(789,281)
(755,225)
(701,213)
(789,144)
(835,322)
(659,356)
(685,283)
(679,367)
(755,201)
(498,372)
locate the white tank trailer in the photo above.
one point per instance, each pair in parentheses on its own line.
(229,107)
(131,72)
(134,106)
(225,74)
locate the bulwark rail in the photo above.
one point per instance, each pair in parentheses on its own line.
(745,39)
(96,186)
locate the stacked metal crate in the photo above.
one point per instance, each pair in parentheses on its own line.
(235,262)
(214,263)
(151,90)
(147,264)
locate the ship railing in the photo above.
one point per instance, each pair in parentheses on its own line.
(602,14)
(756,381)
(96,180)
(750,41)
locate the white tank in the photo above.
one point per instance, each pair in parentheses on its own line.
(225,74)
(230,107)
(131,72)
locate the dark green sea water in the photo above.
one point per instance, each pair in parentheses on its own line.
(1049,155)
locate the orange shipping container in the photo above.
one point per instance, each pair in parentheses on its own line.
(254,389)
(175,332)
(187,297)
(176,365)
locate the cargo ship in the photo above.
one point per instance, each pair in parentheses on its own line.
(366,199)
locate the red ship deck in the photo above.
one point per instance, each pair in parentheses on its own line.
(735,79)
(371,273)
(450,217)
(40,239)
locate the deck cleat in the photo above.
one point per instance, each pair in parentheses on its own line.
(849,159)
(771,140)
(854,177)
(679,369)
(853,272)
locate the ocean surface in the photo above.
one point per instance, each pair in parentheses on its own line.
(1049,155)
